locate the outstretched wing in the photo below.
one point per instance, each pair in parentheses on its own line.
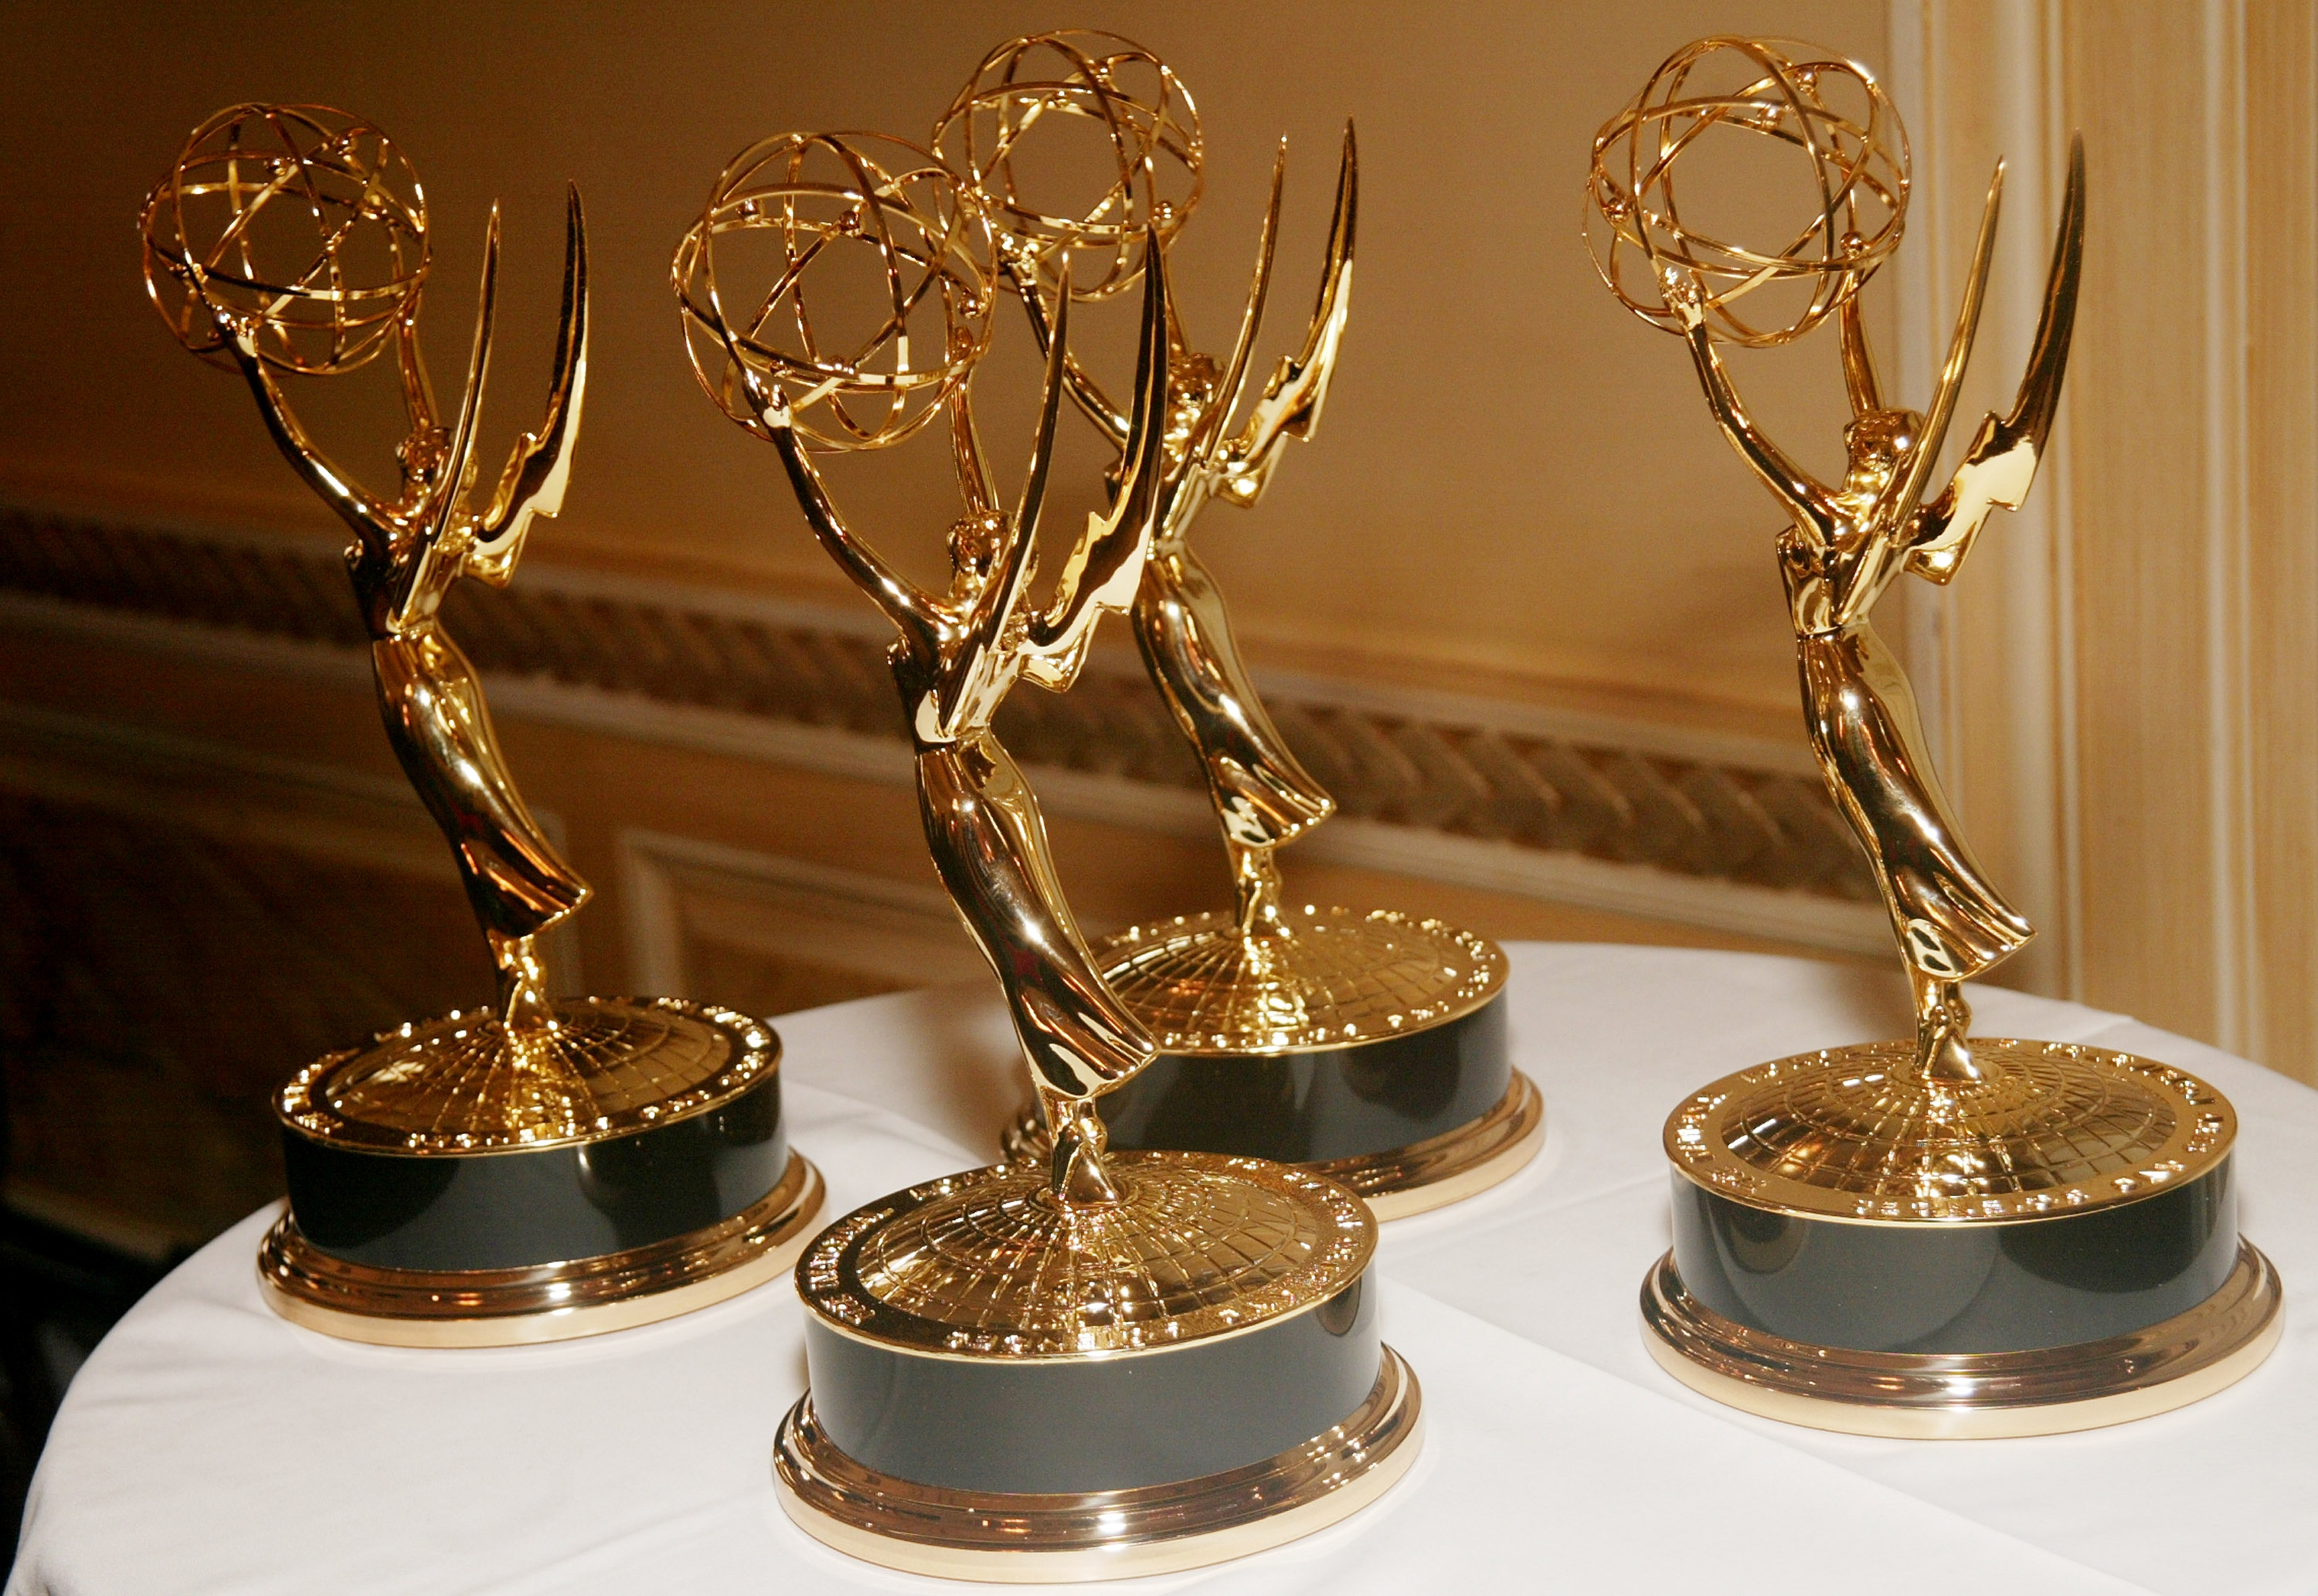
(540,466)
(1206,441)
(1106,566)
(1291,402)
(2001,463)
(458,467)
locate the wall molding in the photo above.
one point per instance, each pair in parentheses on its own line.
(235,797)
(901,930)
(1698,826)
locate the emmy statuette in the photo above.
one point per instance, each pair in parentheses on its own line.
(1370,1047)
(1950,1235)
(545,1168)
(1107,1363)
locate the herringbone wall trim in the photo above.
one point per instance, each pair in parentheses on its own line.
(1635,804)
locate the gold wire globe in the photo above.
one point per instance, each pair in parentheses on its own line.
(1075,144)
(845,270)
(299,224)
(1845,201)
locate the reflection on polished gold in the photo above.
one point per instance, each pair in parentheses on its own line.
(291,241)
(1337,979)
(1877,1160)
(1855,1133)
(451,1085)
(548,1303)
(1098,1535)
(787,215)
(1035,91)
(1076,82)
(1268,978)
(1038,1289)
(1412,1178)
(1850,541)
(1419,1177)
(1970,1396)
(985,1264)
(1830,111)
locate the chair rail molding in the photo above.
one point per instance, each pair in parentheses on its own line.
(1689,825)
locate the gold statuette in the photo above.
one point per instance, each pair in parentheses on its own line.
(1107,1363)
(545,1168)
(1370,1046)
(1950,1235)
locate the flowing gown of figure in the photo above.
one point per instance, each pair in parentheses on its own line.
(1951,922)
(405,557)
(955,660)
(1262,795)
(1845,548)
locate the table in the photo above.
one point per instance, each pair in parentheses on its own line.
(209,1446)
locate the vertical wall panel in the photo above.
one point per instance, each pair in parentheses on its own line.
(2178,793)
(2281,267)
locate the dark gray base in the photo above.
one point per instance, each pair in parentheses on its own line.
(524,1207)
(1331,1103)
(1116,1423)
(1928,1287)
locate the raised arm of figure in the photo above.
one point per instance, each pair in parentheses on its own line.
(540,465)
(1090,399)
(2001,463)
(1106,566)
(1805,499)
(372,522)
(1291,404)
(913,612)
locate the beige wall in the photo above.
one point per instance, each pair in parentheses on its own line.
(2128,669)
(1516,499)
(1515,489)
(1516,494)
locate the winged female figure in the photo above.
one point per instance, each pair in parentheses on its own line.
(1843,548)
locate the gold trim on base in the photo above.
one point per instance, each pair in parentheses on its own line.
(552,1303)
(1969,1396)
(1450,1167)
(1400,1182)
(1205,987)
(1857,1135)
(1053,1539)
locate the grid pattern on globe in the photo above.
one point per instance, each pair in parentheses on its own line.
(1119,96)
(299,225)
(1830,111)
(1338,978)
(989,1262)
(2055,1127)
(453,1085)
(787,215)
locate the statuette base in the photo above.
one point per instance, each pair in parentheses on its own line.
(1367,1047)
(1398,1181)
(1053,1537)
(395,1307)
(1969,1396)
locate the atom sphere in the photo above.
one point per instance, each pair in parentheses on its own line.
(1108,108)
(299,227)
(844,270)
(1829,111)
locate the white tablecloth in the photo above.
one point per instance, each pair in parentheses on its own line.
(208,1446)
